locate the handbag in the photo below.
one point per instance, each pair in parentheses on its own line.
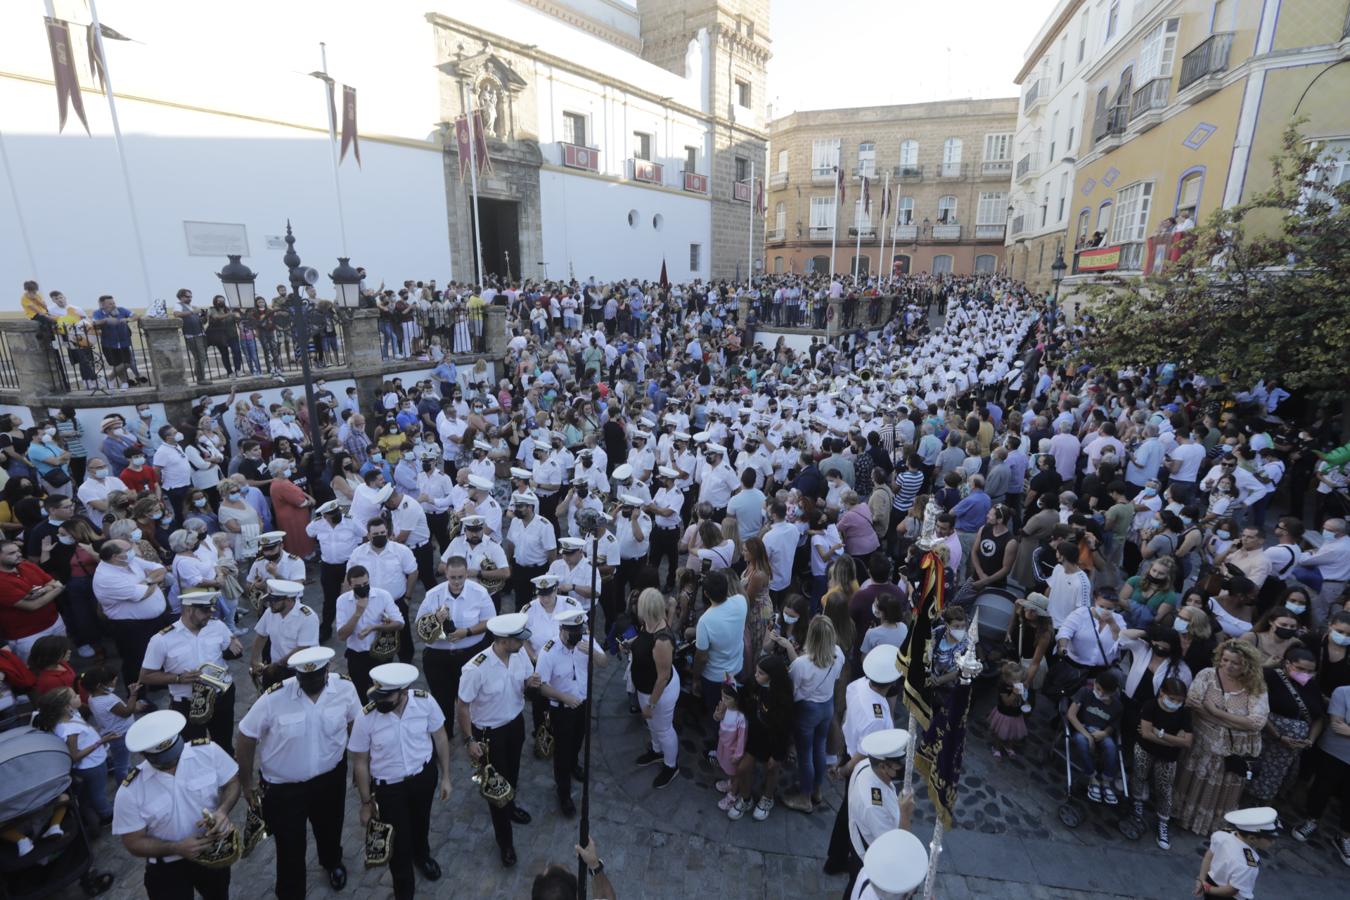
(1249,767)
(1210,581)
(56,477)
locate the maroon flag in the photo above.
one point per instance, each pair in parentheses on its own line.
(840,170)
(760,206)
(97,64)
(480,149)
(63,69)
(349,137)
(867,195)
(462,143)
(665,281)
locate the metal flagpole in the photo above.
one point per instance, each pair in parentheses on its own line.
(18,211)
(121,150)
(584,834)
(834,232)
(857,226)
(885,213)
(750,250)
(331,88)
(473,183)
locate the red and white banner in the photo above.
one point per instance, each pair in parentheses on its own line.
(645,170)
(695,182)
(581,157)
(740,191)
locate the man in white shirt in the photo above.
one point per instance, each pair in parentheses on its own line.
(633,528)
(1184,461)
(573,571)
(94,490)
(175,472)
(665,508)
(717,480)
(450,428)
(410,529)
(363,612)
(338,535)
(780,544)
(1332,561)
(285,626)
(531,544)
(455,614)
(1089,635)
(393,567)
(485,557)
(129,592)
(369,498)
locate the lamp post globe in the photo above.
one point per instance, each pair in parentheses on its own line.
(347,282)
(236,280)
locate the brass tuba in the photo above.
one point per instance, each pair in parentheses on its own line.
(223,851)
(452,525)
(379,841)
(543,741)
(492,784)
(255,828)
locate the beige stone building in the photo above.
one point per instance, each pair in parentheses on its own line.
(949,166)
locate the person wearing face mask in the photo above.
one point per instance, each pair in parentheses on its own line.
(129,591)
(874,805)
(290,507)
(273,563)
(175,657)
(1332,561)
(562,670)
(363,612)
(1297,717)
(51,460)
(531,545)
(1089,638)
(297,731)
(337,536)
(284,423)
(395,775)
(1273,634)
(408,526)
(1163,731)
(894,867)
(117,443)
(171,462)
(285,626)
(1094,717)
(157,810)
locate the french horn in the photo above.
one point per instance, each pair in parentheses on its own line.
(209,686)
(385,646)
(492,784)
(493,585)
(379,841)
(453,524)
(223,851)
(430,628)
(255,827)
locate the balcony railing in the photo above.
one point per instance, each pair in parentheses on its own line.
(906,233)
(576,156)
(647,171)
(989,232)
(1032,96)
(1025,165)
(1210,58)
(1150,97)
(1111,124)
(869,171)
(867,232)
(822,232)
(778,180)
(1132,256)
(775,235)
(951,170)
(1018,224)
(695,183)
(908,173)
(996,168)
(946,232)
(823,173)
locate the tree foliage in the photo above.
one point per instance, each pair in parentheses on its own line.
(1263,290)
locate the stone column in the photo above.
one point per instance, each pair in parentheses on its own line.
(34,369)
(834,319)
(168,354)
(361,337)
(494,332)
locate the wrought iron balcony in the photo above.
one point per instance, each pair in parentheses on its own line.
(946,232)
(1111,125)
(1149,101)
(778,181)
(1033,96)
(1026,165)
(908,173)
(1209,58)
(952,170)
(996,168)
(906,233)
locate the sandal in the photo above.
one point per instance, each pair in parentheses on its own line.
(798,803)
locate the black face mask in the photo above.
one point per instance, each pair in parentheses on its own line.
(166,759)
(361,590)
(570,636)
(379,540)
(428,465)
(1285,634)
(312,682)
(334,519)
(385,702)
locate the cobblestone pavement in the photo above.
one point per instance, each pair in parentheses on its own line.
(676,843)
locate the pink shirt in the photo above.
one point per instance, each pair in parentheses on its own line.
(731,740)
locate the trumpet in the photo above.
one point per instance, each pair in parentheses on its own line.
(492,784)
(222,851)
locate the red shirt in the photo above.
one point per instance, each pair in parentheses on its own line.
(18,623)
(61,677)
(144,482)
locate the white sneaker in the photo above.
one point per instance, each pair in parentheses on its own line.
(85,651)
(762,808)
(53,831)
(24,846)
(737,809)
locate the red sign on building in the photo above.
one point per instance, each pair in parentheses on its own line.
(581,157)
(644,170)
(696,182)
(740,190)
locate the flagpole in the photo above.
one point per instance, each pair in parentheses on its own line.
(332,144)
(834,232)
(881,248)
(750,250)
(857,250)
(121,149)
(18,211)
(473,183)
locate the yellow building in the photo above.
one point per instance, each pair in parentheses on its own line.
(1184,113)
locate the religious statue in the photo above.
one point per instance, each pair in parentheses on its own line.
(487,102)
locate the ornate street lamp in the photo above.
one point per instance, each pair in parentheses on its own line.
(236,279)
(347,283)
(300,277)
(1057,269)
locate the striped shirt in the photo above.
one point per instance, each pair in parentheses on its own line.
(907,485)
(72,436)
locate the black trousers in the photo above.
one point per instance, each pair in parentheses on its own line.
(504,743)
(426,564)
(405,638)
(521,585)
(443,668)
(331,576)
(220,729)
(180,879)
(623,578)
(406,805)
(131,637)
(321,801)
(439,523)
(569,726)
(666,545)
(359,665)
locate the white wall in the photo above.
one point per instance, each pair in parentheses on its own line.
(577,209)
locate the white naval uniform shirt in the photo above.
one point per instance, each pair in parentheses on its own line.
(671,498)
(1234,862)
(873,807)
(410,517)
(495,690)
(289,633)
(378,604)
(289,568)
(623,530)
(865,711)
(474,554)
(642,461)
(336,542)
(176,650)
(540,621)
(299,738)
(168,805)
(389,568)
(531,543)
(569,579)
(562,669)
(547,471)
(400,746)
(594,476)
(716,484)
(491,511)
(472,606)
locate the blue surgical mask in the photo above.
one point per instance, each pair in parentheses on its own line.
(1180,625)
(1169,705)
(136,534)
(288,419)
(1328,534)
(1340,640)
(1297,609)
(1223,535)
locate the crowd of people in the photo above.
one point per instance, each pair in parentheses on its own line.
(735,524)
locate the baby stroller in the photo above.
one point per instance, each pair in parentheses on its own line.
(34,773)
(1074,809)
(992,612)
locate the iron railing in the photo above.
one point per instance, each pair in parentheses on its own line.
(1025,165)
(778,180)
(83,358)
(946,232)
(952,170)
(1112,123)
(907,172)
(1152,95)
(1209,58)
(9,376)
(1033,94)
(996,167)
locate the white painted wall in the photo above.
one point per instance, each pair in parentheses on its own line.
(578,211)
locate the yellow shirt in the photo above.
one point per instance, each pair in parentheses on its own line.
(477,305)
(33,305)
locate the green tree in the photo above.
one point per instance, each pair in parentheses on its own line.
(1262,291)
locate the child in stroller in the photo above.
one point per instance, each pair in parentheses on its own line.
(1094,716)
